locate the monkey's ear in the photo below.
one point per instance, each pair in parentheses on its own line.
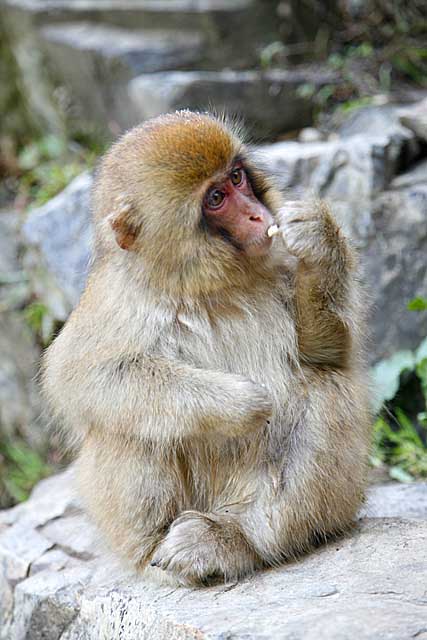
(125,229)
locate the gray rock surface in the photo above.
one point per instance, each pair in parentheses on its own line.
(415,118)
(72,77)
(96,61)
(58,237)
(393,243)
(269,102)
(57,583)
(349,170)
(395,500)
(143,51)
(20,407)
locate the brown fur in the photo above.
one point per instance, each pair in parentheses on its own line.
(219,401)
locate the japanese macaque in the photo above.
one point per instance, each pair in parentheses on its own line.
(212,373)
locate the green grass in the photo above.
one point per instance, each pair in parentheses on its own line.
(400,437)
(20,469)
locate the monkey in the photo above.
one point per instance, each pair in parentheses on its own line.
(212,376)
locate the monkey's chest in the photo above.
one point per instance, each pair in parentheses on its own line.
(257,343)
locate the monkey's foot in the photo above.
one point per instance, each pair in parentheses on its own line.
(200,548)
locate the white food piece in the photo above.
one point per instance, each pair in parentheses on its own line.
(271,231)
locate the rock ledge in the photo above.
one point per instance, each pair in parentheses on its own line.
(56,585)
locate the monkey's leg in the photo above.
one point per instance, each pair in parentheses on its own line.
(131,494)
(315,492)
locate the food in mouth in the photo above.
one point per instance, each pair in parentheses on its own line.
(272,230)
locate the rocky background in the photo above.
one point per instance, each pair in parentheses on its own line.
(334,96)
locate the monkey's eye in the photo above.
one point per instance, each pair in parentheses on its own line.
(215,198)
(236,176)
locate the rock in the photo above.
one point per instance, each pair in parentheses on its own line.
(59,236)
(216,20)
(416,176)
(269,102)
(95,62)
(343,170)
(393,244)
(142,50)
(395,500)
(310,134)
(386,121)
(9,265)
(20,406)
(415,119)
(75,80)
(373,121)
(367,585)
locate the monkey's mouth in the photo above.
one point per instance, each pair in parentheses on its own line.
(258,246)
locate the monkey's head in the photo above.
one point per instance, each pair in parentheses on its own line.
(180,196)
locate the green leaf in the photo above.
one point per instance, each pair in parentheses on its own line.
(417,304)
(386,376)
(34,315)
(408,432)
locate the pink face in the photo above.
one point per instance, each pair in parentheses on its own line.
(232,210)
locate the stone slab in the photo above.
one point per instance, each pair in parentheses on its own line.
(369,585)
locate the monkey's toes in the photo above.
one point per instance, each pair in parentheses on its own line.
(188,550)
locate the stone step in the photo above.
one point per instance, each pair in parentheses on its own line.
(91,48)
(269,103)
(94,63)
(137,51)
(255,21)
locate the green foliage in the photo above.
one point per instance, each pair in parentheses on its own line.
(402,448)
(417,304)
(356,103)
(48,165)
(40,320)
(20,469)
(399,441)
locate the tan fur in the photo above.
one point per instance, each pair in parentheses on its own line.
(219,401)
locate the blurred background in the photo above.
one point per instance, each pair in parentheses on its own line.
(333,93)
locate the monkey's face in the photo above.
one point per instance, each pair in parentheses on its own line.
(184,200)
(232,210)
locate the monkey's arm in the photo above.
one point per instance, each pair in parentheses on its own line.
(153,397)
(326,286)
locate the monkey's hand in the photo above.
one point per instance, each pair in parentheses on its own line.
(311,233)
(326,287)
(240,404)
